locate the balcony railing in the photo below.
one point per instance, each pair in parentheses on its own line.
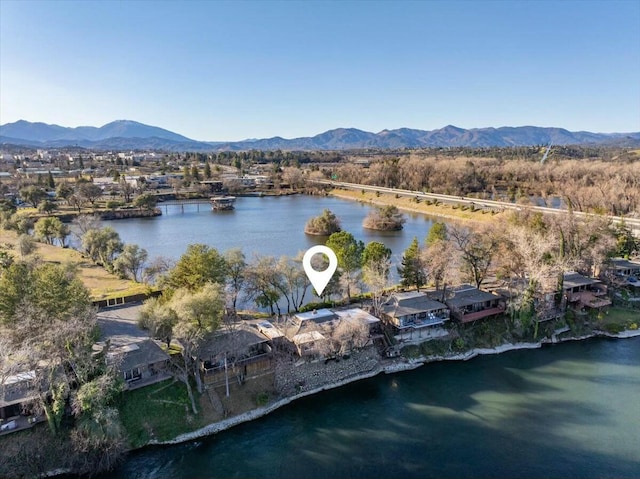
(474,316)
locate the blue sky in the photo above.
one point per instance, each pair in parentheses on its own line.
(234,70)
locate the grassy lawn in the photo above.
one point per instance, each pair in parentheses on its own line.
(616,319)
(160,411)
(408,204)
(100,283)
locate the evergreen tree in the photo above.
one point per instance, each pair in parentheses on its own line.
(348,250)
(438,232)
(412,270)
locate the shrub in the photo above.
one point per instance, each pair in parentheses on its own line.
(435,347)
(613,328)
(412,351)
(321,305)
(262,399)
(112,205)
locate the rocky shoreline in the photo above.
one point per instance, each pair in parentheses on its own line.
(387,366)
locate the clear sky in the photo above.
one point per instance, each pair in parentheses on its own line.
(216,70)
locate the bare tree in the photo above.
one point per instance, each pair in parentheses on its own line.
(264,282)
(84,223)
(477,250)
(236,271)
(157,268)
(350,334)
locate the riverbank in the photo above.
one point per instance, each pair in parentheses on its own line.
(440,210)
(387,366)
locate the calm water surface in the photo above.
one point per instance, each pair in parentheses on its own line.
(565,411)
(268,226)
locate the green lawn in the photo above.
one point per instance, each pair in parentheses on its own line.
(161,411)
(616,319)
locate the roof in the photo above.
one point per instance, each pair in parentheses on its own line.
(317,316)
(357,314)
(138,354)
(466,295)
(309,337)
(269,330)
(18,388)
(621,263)
(574,280)
(404,304)
(237,341)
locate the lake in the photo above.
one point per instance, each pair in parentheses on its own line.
(272,225)
(565,411)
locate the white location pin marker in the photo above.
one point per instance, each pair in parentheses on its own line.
(319,279)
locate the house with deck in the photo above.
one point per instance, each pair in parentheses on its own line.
(240,351)
(325,333)
(414,310)
(584,292)
(624,267)
(468,303)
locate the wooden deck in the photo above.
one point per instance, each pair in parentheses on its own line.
(590,299)
(467,318)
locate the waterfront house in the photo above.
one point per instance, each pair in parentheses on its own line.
(325,333)
(581,291)
(139,359)
(317,316)
(623,268)
(312,344)
(240,351)
(414,310)
(141,363)
(469,303)
(358,315)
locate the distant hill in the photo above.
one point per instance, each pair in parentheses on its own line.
(43,132)
(126,134)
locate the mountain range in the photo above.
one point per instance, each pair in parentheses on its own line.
(131,135)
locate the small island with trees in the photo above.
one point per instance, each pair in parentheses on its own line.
(384,218)
(324,225)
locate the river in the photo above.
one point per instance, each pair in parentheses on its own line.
(568,410)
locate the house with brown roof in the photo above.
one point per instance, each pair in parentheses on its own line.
(581,291)
(469,303)
(240,351)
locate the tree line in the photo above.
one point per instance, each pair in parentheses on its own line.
(593,185)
